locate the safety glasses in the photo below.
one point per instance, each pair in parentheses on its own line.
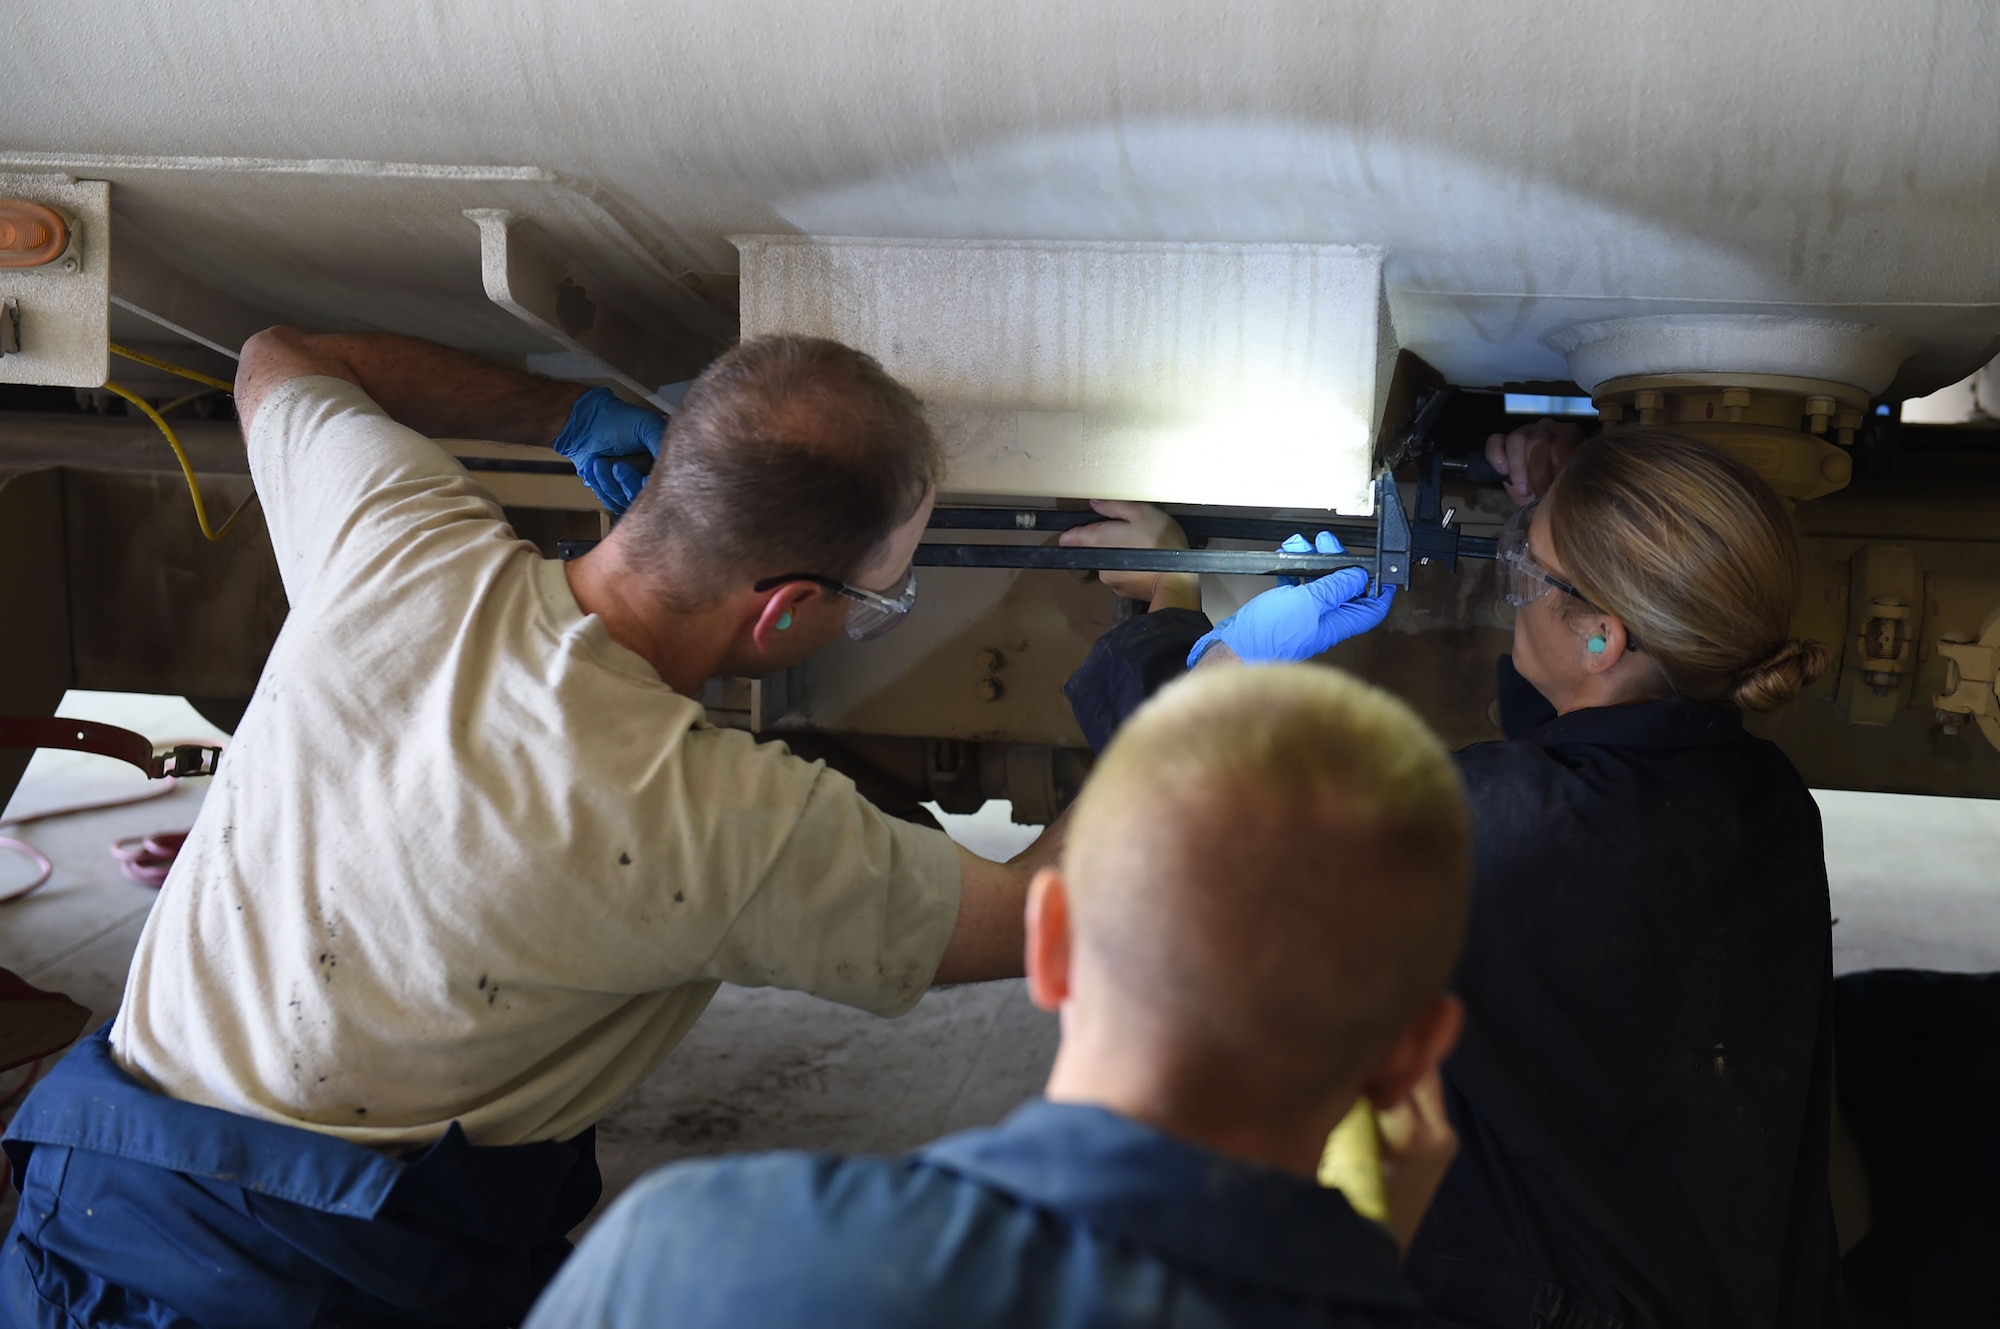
(869,613)
(1519,578)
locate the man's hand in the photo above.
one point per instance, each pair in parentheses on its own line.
(602,437)
(1418,1145)
(1529,458)
(1138,526)
(1297,622)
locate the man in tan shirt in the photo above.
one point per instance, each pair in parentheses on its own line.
(476,862)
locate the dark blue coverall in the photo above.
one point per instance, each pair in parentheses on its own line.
(222,1221)
(1064,1216)
(1643,1092)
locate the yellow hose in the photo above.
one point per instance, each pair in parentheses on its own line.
(180,453)
(187,468)
(181,370)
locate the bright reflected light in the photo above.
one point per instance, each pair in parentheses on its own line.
(1298,454)
(1521,403)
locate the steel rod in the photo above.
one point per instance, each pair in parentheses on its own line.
(1246,562)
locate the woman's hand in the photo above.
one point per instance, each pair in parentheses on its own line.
(1530,457)
(1295,621)
(1139,526)
(1418,1145)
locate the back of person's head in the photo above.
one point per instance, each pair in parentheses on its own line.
(1696,554)
(789,454)
(1267,877)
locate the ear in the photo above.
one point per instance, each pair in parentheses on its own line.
(783,600)
(1048,944)
(1424,1042)
(1616,642)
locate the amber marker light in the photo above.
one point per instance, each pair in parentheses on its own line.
(30,234)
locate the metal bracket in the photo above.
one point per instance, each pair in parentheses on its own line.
(1416,440)
(184,762)
(1885,602)
(1392,535)
(1433,534)
(1243,562)
(1972,681)
(525,276)
(1433,519)
(1198,527)
(1387,547)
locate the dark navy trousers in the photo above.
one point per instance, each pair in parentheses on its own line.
(141,1210)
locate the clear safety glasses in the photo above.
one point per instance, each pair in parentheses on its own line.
(869,613)
(1519,578)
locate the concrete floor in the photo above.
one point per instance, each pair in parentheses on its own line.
(1916,883)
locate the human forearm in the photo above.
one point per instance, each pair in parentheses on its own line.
(988,939)
(1046,851)
(433,389)
(1418,1145)
(1218,655)
(1176,590)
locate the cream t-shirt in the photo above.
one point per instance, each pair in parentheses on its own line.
(466,858)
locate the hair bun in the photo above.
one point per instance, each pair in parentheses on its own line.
(1781,675)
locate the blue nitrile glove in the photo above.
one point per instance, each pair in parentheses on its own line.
(1299,620)
(601,431)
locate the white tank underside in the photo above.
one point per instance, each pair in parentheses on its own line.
(1524,168)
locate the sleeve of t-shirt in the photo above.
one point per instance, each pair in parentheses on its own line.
(847,903)
(342,483)
(1129,664)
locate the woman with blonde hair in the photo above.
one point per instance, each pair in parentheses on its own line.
(1643,1091)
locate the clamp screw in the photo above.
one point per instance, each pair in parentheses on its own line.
(989,689)
(991,661)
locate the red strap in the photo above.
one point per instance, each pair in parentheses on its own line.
(46,731)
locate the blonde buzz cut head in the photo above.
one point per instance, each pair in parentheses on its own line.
(1271,865)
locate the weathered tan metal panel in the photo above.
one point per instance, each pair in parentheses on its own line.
(64,307)
(1527,166)
(1232,374)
